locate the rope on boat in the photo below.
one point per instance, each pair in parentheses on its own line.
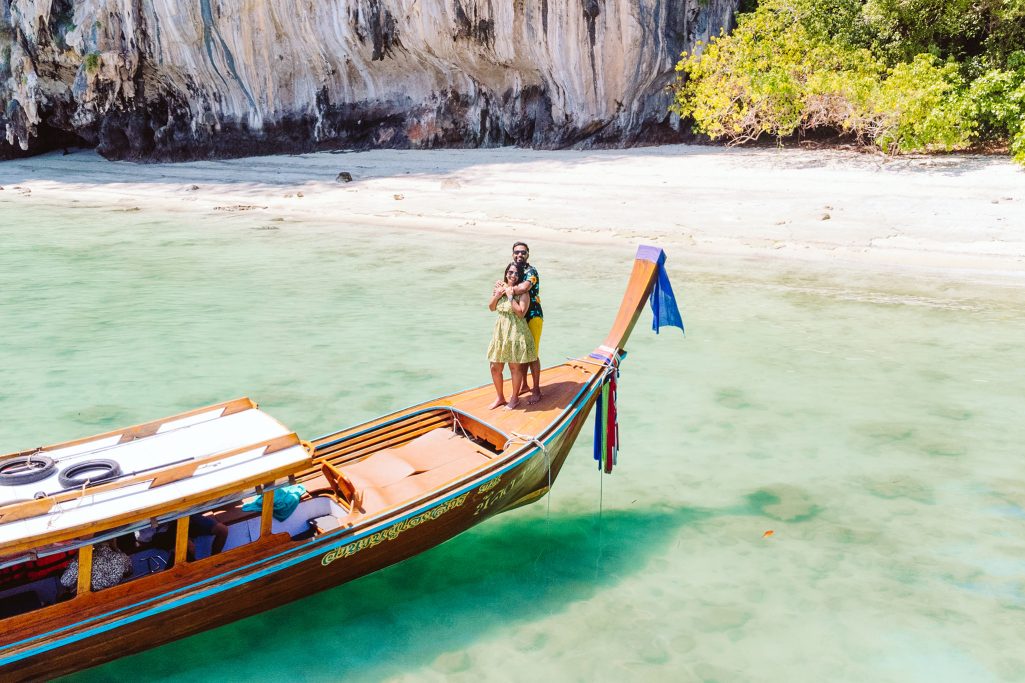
(457,423)
(548,465)
(601,509)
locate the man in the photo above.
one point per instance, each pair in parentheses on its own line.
(531,283)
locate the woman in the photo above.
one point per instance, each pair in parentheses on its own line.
(511,342)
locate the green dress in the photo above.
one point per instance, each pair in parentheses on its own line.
(511,342)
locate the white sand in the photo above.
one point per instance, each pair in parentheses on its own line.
(952,217)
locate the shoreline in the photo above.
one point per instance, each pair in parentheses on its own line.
(951,218)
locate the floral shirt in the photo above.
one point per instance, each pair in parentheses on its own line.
(109,567)
(534,310)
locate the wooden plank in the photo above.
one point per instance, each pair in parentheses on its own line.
(140,432)
(25,509)
(181,540)
(267,512)
(381,445)
(85,569)
(434,409)
(396,429)
(176,473)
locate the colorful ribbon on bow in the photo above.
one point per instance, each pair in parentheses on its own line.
(606,419)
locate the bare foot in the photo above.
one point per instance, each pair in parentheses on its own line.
(500,401)
(535,396)
(513,402)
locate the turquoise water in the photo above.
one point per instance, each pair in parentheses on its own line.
(874,426)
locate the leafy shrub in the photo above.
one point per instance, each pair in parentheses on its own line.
(775,76)
(996,102)
(906,75)
(920,106)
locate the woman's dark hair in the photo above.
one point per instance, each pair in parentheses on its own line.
(517,266)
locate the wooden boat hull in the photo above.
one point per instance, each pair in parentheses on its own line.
(144,619)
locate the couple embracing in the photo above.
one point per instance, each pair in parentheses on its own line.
(517,336)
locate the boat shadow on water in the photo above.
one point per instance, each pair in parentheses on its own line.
(497,576)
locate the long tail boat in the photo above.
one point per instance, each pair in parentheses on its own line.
(107,543)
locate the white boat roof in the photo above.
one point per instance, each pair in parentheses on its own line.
(207,452)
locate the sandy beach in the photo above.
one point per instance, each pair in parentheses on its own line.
(958,218)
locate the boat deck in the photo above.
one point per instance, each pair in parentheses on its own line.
(559,386)
(401,457)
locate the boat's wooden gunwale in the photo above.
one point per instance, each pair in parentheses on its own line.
(638,289)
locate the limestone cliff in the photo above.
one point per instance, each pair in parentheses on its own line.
(174,79)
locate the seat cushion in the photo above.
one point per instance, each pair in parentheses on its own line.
(380,469)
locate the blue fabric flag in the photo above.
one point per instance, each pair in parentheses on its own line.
(663,301)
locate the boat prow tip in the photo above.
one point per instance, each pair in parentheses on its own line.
(649,252)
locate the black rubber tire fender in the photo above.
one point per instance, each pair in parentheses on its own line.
(89,472)
(25,469)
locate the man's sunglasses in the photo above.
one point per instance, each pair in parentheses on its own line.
(520,252)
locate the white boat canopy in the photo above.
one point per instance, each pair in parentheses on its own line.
(131,476)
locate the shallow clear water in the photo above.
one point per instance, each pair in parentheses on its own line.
(877,434)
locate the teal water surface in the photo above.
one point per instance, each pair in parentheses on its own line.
(878,435)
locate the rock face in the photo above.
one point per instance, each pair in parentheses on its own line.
(177,79)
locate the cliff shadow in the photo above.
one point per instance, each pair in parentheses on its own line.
(453,168)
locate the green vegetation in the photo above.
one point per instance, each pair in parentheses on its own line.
(92,62)
(906,75)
